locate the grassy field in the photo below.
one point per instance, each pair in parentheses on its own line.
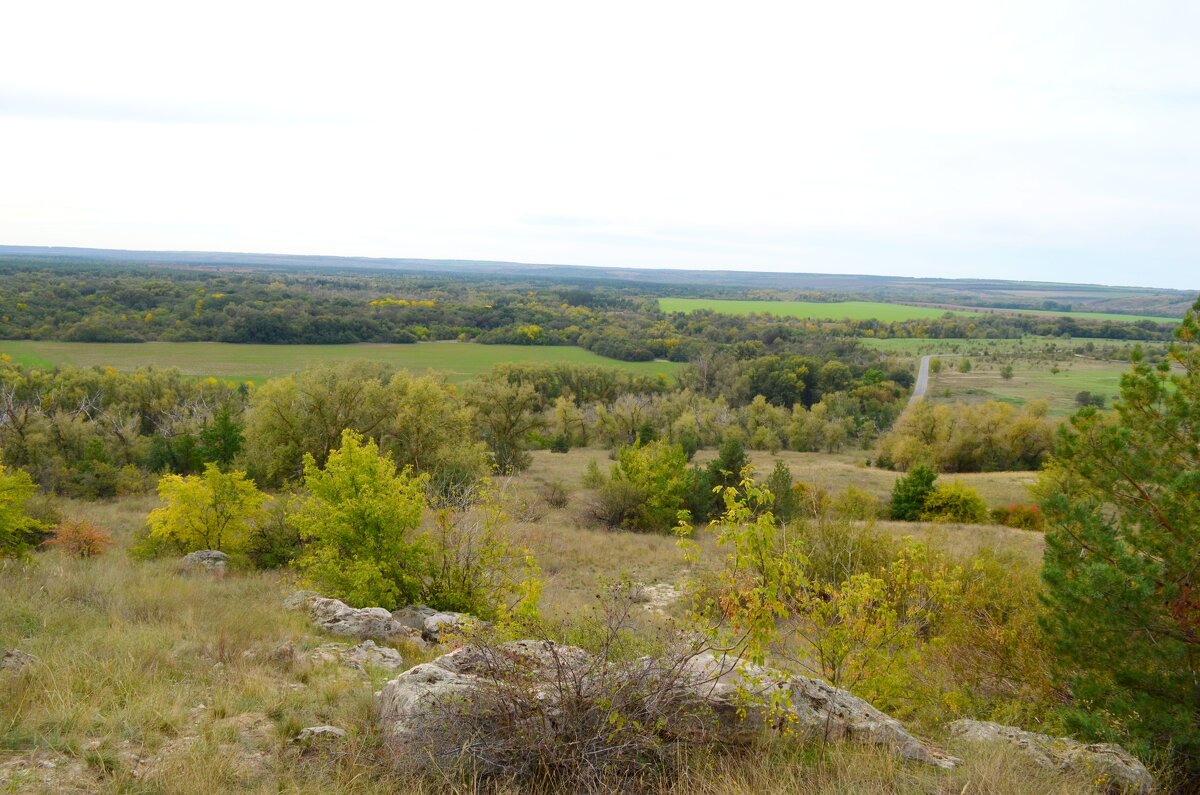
(836,310)
(460,360)
(1030,381)
(866,310)
(149,681)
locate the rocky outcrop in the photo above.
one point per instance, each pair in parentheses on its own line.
(421,701)
(358,657)
(431,623)
(15,660)
(811,706)
(1110,766)
(204,561)
(367,623)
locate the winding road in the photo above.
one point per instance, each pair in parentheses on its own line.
(922,381)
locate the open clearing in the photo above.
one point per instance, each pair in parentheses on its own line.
(869,310)
(1030,381)
(1026,346)
(459,360)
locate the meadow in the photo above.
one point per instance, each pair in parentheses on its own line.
(1030,381)
(149,681)
(1026,346)
(870,310)
(461,361)
(834,310)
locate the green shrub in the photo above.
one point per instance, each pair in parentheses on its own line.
(359,523)
(216,510)
(657,472)
(19,532)
(954,502)
(910,491)
(856,505)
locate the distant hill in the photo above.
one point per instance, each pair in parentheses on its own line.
(951,293)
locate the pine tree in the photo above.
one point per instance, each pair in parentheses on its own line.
(910,491)
(1122,560)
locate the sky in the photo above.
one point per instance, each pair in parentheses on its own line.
(1056,141)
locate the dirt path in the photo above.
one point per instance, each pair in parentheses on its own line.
(922,381)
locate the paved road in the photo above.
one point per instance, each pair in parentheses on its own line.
(922,381)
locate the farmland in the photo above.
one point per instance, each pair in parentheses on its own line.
(870,310)
(460,361)
(834,310)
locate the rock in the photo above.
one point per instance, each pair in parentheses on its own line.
(657,597)
(314,734)
(431,623)
(204,561)
(300,600)
(358,657)
(1107,764)
(418,704)
(338,618)
(15,660)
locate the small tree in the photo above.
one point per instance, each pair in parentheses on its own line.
(657,474)
(506,415)
(360,522)
(910,491)
(19,532)
(215,510)
(1006,372)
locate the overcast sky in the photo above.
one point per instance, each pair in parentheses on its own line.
(1033,140)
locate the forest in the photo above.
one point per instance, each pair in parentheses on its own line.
(782,509)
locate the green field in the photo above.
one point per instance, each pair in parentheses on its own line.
(1029,382)
(836,310)
(459,360)
(867,310)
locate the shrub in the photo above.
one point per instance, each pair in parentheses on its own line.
(80,538)
(593,478)
(615,504)
(561,443)
(275,541)
(216,510)
(1024,517)
(19,532)
(909,493)
(856,504)
(954,502)
(554,492)
(359,524)
(656,472)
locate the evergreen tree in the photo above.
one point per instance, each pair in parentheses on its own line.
(1122,560)
(910,492)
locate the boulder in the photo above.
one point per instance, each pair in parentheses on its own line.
(358,657)
(429,622)
(314,734)
(418,704)
(204,561)
(1107,764)
(15,660)
(374,623)
(300,600)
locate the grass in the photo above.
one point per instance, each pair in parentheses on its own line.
(1030,381)
(149,681)
(460,360)
(870,310)
(835,310)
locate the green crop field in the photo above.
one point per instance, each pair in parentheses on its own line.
(459,360)
(868,310)
(836,310)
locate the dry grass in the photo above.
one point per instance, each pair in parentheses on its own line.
(150,681)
